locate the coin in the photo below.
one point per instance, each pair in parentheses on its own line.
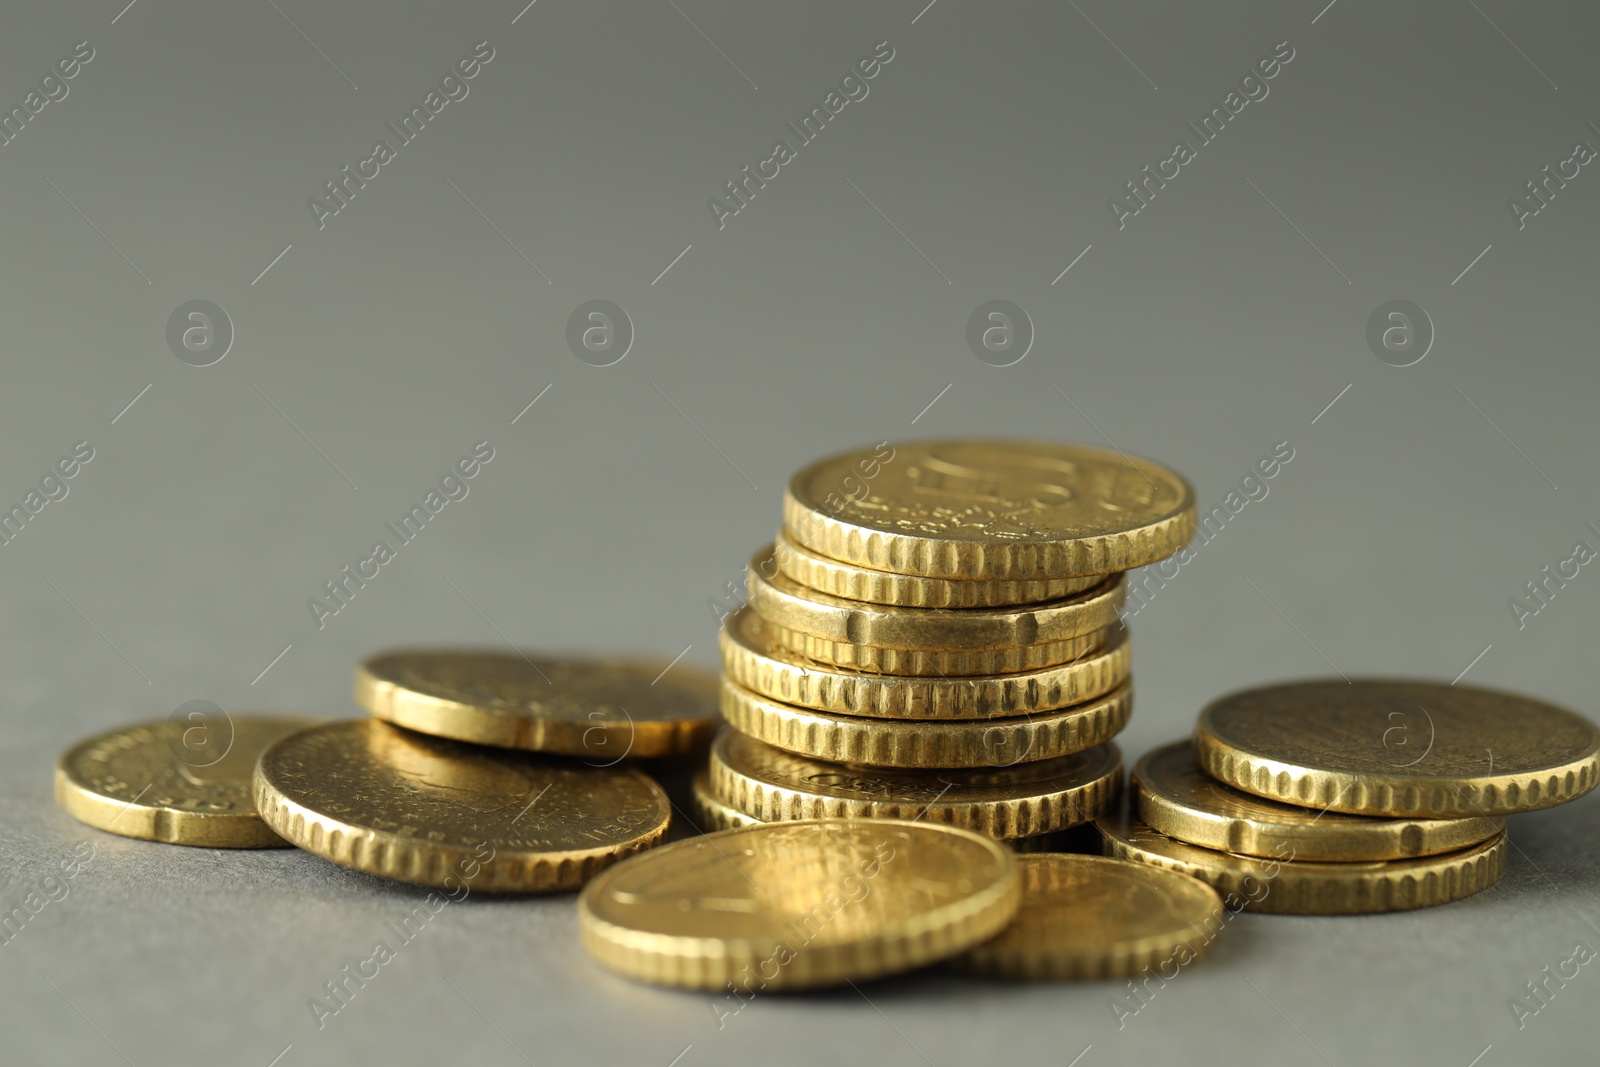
(602,710)
(983,509)
(798,905)
(1005,802)
(1175,797)
(784,602)
(1290,886)
(151,782)
(711,813)
(436,812)
(1398,748)
(885,587)
(944,663)
(754,659)
(1096,917)
(995,742)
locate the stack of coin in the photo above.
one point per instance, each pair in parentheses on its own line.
(935,634)
(1342,797)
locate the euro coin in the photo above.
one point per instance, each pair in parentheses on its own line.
(599,710)
(711,813)
(436,812)
(798,905)
(1096,917)
(942,663)
(1398,748)
(161,781)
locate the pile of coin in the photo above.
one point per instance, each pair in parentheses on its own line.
(935,634)
(1349,796)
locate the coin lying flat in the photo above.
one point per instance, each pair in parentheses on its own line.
(601,710)
(798,905)
(784,602)
(1287,886)
(1398,748)
(908,591)
(151,782)
(711,813)
(995,742)
(943,663)
(754,659)
(1005,802)
(984,509)
(1096,917)
(421,809)
(1177,798)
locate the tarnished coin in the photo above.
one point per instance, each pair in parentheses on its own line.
(784,602)
(943,663)
(600,710)
(983,509)
(754,659)
(1096,917)
(711,813)
(1289,886)
(994,742)
(1398,748)
(421,809)
(908,591)
(159,782)
(1020,801)
(1177,798)
(798,905)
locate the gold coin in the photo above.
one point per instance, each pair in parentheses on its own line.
(1177,798)
(1398,748)
(159,781)
(996,742)
(436,812)
(755,660)
(1289,886)
(1005,802)
(784,602)
(711,813)
(978,509)
(601,710)
(943,663)
(885,587)
(1096,917)
(798,905)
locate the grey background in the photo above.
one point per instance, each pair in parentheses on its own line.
(1223,319)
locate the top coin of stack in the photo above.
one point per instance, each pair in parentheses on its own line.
(942,605)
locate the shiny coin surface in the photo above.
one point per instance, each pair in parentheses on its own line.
(798,905)
(1288,886)
(885,587)
(1097,917)
(784,602)
(160,781)
(1174,796)
(711,814)
(422,809)
(1398,748)
(994,742)
(985,509)
(754,659)
(599,710)
(1005,802)
(942,663)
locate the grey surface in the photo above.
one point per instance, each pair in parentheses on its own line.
(378,349)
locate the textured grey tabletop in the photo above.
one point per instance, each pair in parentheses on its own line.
(372,332)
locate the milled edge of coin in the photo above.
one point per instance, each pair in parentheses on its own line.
(934,557)
(782,601)
(386,699)
(924,662)
(948,744)
(711,812)
(844,692)
(1305,887)
(157,823)
(1376,838)
(688,962)
(1392,795)
(885,587)
(1018,816)
(432,863)
(1123,960)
